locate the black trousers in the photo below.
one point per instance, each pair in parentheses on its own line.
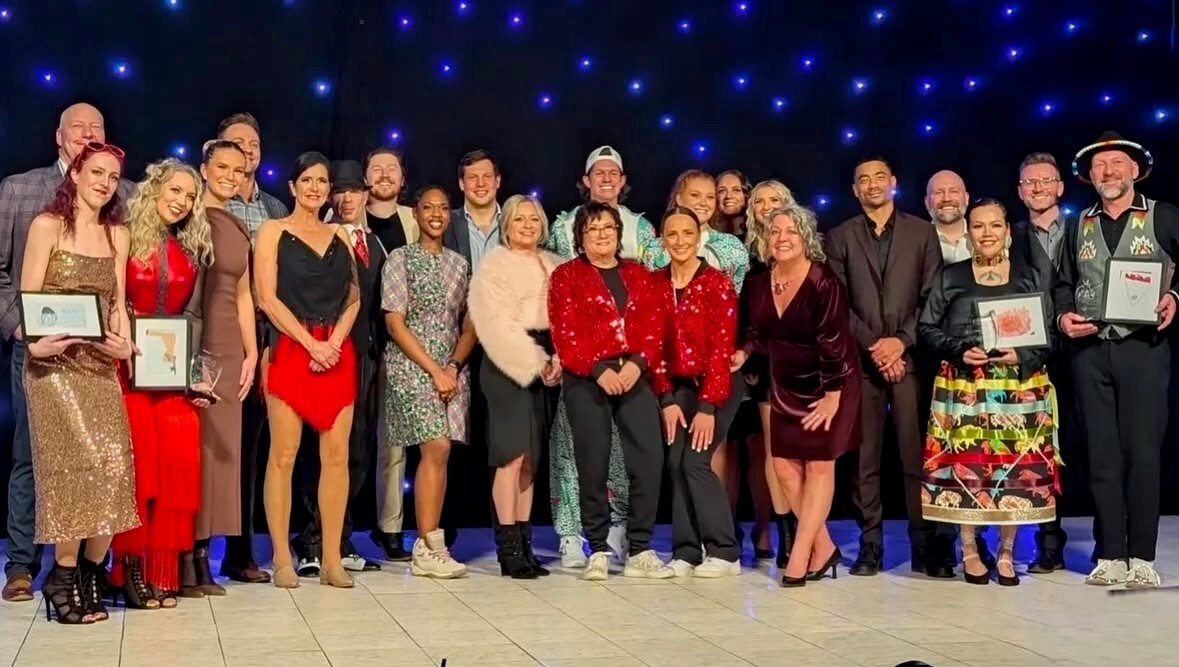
(1121,389)
(700,513)
(362,443)
(905,398)
(239,549)
(591,414)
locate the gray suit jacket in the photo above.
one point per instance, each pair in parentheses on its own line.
(22,197)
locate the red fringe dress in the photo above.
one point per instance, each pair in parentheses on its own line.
(165,432)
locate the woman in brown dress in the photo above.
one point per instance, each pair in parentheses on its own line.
(229,334)
(77,423)
(798,318)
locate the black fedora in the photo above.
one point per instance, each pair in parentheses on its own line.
(1108,141)
(347,175)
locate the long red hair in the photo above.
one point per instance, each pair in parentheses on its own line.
(64,201)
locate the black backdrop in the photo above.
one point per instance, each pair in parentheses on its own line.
(440,78)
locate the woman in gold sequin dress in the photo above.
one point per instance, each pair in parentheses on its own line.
(77,422)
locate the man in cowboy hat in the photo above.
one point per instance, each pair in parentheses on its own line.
(1120,370)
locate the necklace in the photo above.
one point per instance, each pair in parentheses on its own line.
(780,286)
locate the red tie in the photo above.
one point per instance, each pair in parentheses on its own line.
(361,246)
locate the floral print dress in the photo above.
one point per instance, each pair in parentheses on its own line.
(431,290)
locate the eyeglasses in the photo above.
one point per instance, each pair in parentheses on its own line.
(600,231)
(99,147)
(1043,182)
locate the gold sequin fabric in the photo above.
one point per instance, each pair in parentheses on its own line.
(85,478)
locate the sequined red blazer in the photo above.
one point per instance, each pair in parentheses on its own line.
(587,328)
(702,332)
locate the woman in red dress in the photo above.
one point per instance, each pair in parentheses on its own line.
(797,317)
(170,246)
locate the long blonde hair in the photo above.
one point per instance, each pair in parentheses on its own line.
(145,224)
(757,236)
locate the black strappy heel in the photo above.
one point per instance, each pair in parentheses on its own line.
(63,596)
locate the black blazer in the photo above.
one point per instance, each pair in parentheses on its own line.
(456,236)
(368,333)
(1025,247)
(949,324)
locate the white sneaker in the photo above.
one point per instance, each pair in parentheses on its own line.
(598,567)
(647,565)
(715,568)
(1142,575)
(308,567)
(1108,573)
(682,568)
(616,540)
(431,558)
(572,552)
(353,562)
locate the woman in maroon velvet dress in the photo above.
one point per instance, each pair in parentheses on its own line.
(797,316)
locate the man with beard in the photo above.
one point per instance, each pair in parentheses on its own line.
(945,199)
(1121,372)
(395,227)
(732,196)
(889,261)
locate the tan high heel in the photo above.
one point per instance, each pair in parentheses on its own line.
(285,577)
(336,577)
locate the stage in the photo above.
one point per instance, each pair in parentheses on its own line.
(392,618)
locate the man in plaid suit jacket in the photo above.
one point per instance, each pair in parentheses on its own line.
(22,197)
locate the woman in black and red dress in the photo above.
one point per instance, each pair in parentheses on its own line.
(701,401)
(607,318)
(171,245)
(306,281)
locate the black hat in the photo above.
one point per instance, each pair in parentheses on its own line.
(347,175)
(1111,140)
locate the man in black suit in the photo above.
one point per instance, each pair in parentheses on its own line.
(349,195)
(889,261)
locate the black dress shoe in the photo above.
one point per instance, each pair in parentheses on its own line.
(940,569)
(868,562)
(1047,561)
(392,545)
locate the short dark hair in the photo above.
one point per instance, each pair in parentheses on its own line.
(214,145)
(421,192)
(477,155)
(242,118)
(386,150)
(1039,158)
(874,158)
(986,201)
(308,160)
(592,211)
(678,210)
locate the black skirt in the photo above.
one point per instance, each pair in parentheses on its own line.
(519,418)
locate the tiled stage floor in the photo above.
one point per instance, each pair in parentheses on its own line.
(392,618)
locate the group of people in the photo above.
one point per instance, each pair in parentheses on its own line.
(368,327)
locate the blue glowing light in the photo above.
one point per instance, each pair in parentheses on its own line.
(269,173)
(666,121)
(635,86)
(1143,36)
(534,193)
(859,85)
(879,16)
(585,63)
(544,101)
(47,77)
(5,15)
(849,135)
(179,150)
(1105,98)
(515,20)
(700,149)
(446,68)
(1047,108)
(405,485)
(1010,11)
(404,22)
(120,69)
(172,4)
(741,8)
(684,26)
(927,128)
(926,86)
(1071,27)
(394,136)
(1066,209)
(1013,53)
(740,81)
(778,104)
(322,87)
(971,84)
(807,62)
(822,201)
(1161,115)
(462,8)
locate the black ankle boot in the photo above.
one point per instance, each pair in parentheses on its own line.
(511,554)
(204,574)
(525,529)
(92,581)
(135,592)
(63,596)
(787,525)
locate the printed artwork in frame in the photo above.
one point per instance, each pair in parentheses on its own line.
(165,346)
(1012,322)
(1133,288)
(73,314)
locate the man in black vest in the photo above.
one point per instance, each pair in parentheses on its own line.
(1121,371)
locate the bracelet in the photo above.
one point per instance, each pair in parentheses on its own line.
(458,366)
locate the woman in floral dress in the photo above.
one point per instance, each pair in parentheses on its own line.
(990,452)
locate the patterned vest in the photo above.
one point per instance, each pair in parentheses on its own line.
(1138,242)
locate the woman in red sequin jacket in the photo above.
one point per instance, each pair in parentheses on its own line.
(608,319)
(700,401)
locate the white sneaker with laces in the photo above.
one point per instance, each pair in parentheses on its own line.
(1142,575)
(598,567)
(431,558)
(616,540)
(715,568)
(1108,573)
(682,568)
(353,562)
(572,551)
(647,565)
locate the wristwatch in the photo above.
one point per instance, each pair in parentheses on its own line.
(458,366)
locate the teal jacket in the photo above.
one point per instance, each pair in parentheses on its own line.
(638,234)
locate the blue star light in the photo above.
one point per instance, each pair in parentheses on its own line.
(1009,11)
(322,87)
(879,16)
(971,84)
(740,81)
(778,104)
(1066,209)
(666,121)
(394,136)
(534,193)
(822,201)
(462,8)
(635,86)
(1161,115)
(927,128)
(684,26)
(849,136)
(700,149)
(5,15)
(1071,27)
(925,86)
(1105,98)
(120,69)
(807,63)
(446,68)
(515,20)
(172,4)
(585,63)
(269,173)
(179,150)
(404,22)
(741,8)
(859,85)
(47,78)
(1143,36)
(1013,53)
(1047,108)
(544,101)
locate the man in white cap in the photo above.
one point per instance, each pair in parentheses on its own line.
(603,181)
(1121,364)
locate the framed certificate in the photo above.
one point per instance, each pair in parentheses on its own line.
(165,346)
(1133,288)
(1014,322)
(72,314)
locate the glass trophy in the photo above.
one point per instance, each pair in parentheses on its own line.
(204,372)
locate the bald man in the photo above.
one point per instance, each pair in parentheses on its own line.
(945,199)
(22,196)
